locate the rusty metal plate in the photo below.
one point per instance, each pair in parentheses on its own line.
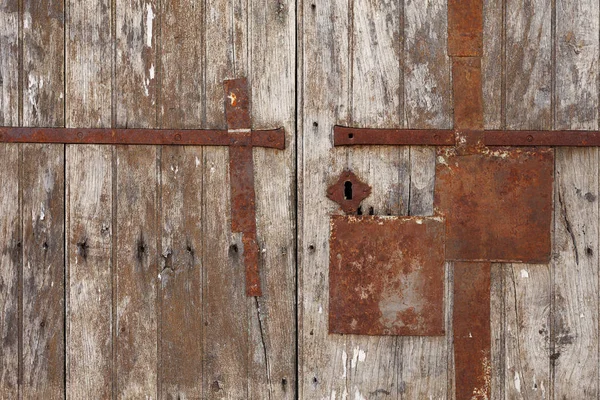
(349,191)
(274,138)
(465,28)
(497,204)
(467,92)
(472,330)
(386,275)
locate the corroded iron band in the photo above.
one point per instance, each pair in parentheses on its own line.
(347,136)
(274,138)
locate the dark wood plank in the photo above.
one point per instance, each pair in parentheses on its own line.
(43,202)
(89,203)
(136,227)
(181,307)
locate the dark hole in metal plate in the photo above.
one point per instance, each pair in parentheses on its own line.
(497,203)
(386,275)
(348,191)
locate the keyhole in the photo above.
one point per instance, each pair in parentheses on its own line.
(348,190)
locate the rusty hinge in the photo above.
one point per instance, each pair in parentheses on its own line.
(239,137)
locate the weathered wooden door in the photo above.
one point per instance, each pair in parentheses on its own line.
(119,274)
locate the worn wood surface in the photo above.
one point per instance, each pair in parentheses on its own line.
(88,225)
(133,244)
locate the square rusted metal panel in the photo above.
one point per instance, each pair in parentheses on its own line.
(497,203)
(386,276)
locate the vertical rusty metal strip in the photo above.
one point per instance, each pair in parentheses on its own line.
(472,331)
(465,28)
(467,90)
(241,173)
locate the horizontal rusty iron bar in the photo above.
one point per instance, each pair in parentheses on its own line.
(274,138)
(345,136)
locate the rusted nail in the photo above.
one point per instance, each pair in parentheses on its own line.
(177,137)
(529,138)
(80,135)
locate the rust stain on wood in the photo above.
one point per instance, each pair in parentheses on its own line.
(497,204)
(386,275)
(472,331)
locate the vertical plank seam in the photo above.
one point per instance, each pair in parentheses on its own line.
(503,73)
(551,327)
(20,205)
(203,214)
(299,154)
(66,216)
(158,211)
(114,233)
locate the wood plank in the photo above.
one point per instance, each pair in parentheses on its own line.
(574,329)
(376,101)
(43,203)
(492,64)
(10,235)
(224,298)
(180,326)
(428,105)
(527,287)
(527,312)
(272,317)
(137,171)
(89,204)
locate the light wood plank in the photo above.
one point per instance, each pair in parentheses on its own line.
(181,329)
(492,64)
(324,83)
(272,317)
(136,265)
(224,298)
(89,204)
(10,235)
(376,101)
(43,203)
(428,105)
(527,312)
(575,281)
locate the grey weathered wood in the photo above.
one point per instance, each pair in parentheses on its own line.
(526,291)
(428,104)
(181,199)
(323,359)
(10,216)
(89,204)
(225,332)
(574,330)
(136,222)
(43,203)
(272,327)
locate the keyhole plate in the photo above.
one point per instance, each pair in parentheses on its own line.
(348,191)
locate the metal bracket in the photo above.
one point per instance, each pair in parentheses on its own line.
(239,137)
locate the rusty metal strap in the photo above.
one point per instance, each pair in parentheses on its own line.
(345,136)
(274,138)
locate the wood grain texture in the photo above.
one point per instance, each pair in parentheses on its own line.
(272,317)
(10,217)
(181,199)
(574,329)
(376,98)
(43,202)
(324,82)
(137,171)
(492,64)
(10,265)
(89,204)
(428,104)
(225,330)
